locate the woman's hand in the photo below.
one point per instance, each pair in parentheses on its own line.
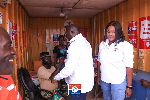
(128,92)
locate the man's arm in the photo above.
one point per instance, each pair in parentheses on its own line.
(61,62)
(73,56)
(55,59)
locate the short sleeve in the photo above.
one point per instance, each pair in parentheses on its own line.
(128,55)
(55,49)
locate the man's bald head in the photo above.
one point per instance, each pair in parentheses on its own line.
(72,31)
(74,28)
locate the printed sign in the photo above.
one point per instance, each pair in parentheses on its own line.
(14,34)
(132,33)
(74,89)
(55,37)
(9,30)
(144,33)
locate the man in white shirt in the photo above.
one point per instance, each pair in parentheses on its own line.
(79,63)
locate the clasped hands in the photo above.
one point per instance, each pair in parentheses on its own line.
(60,63)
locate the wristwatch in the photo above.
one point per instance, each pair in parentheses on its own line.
(129,87)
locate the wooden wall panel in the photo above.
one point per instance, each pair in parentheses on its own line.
(87,22)
(40,38)
(97,29)
(142,14)
(136,16)
(130,10)
(102,27)
(92,31)
(117,13)
(120,14)
(54,23)
(106,18)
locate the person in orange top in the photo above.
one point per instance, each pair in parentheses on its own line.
(8,89)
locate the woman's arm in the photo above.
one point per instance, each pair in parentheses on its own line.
(129,72)
(55,59)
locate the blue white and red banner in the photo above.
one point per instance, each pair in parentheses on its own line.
(144,33)
(74,89)
(132,33)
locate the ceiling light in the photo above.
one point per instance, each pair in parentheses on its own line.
(62,14)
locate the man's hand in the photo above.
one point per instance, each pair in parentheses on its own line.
(51,77)
(145,83)
(128,92)
(53,81)
(60,63)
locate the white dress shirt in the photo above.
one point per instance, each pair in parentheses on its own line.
(79,64)
(114,60)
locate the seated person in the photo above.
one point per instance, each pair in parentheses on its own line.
(44,72)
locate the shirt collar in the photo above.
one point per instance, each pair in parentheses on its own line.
(75,38)
(106,43)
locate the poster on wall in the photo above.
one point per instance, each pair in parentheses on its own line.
(84,31)
(14,34)
(48,37)
(0,18)
(48,40)
(144,33)
(9,30)
(55,37)
(132,33)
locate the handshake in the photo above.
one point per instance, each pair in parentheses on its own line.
(60,63)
